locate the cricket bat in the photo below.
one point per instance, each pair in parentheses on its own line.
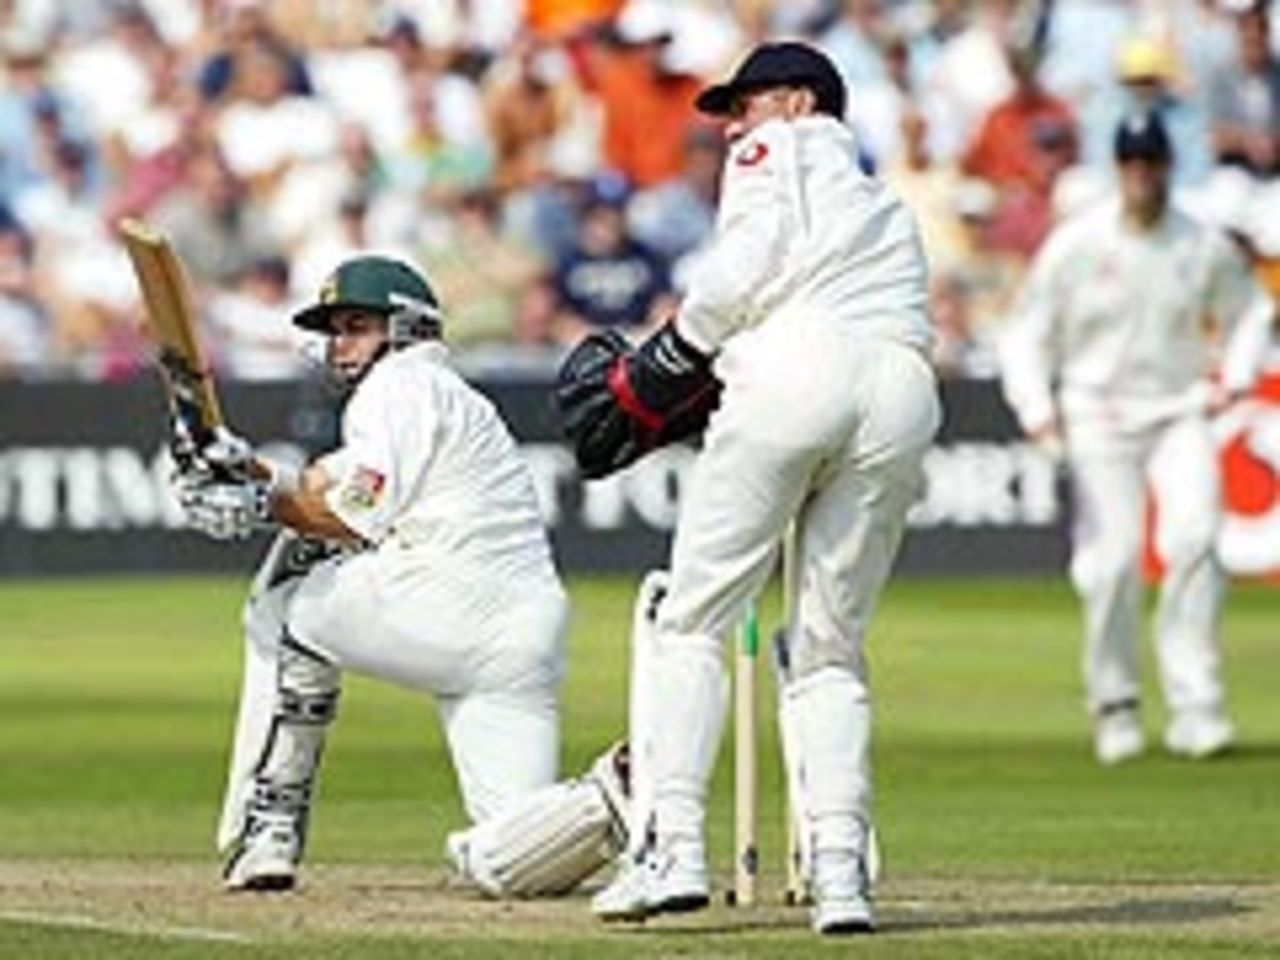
(171,322)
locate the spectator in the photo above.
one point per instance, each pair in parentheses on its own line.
(430,158)
(33,115)
(264,129)
(25,341)
(354,167)
(647,107)
(675,217)
(1021,146)
(556,20)
(244,25)
(544,132)
(250,335)
(1245,99)
(877,111)
(969,74)
(150,177)
(111,77)
(855,44)
(532,103)
(484,275)
(215,225)
(1148,81)
(83,279)
(929,189)
(609,279)
(338,235)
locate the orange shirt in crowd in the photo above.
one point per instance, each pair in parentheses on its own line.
(551,19)
(1024,141)
(646,114)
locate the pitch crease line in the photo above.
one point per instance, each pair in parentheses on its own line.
(79,922)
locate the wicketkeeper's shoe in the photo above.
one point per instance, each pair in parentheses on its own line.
(661,881)
(1199,734)
(267,860)
(841,894)
(1118,736)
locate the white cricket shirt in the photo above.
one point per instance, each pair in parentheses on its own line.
(801,229)
(426,459)
(1128,324)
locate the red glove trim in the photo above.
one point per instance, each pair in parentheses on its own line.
(620,386)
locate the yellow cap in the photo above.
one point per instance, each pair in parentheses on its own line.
(1142,58)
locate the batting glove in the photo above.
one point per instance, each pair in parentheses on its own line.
(222,510)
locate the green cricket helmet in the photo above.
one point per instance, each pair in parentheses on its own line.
(382,285)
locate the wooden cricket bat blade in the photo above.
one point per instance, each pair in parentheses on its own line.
(171,316)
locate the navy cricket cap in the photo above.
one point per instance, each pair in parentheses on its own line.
(1142,136)
(783,64)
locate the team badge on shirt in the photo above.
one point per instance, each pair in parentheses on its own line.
(752,154)
(364,489)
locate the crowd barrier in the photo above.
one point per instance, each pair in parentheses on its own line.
(83,484)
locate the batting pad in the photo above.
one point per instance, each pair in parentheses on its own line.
(544,846)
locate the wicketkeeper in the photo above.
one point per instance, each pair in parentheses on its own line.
(414,552)
(805,328)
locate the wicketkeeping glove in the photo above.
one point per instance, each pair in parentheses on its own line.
(618,402)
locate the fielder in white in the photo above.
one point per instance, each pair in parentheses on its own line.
(809,309)
(415,552)
(1110,355)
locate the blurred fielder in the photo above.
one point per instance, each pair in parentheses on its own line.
(1108,357)
(415,552)
(807,315)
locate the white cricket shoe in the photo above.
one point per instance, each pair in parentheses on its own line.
(267,860)
(1199,733)
(470,870)
(841,894)
(671,881)
(1118,736)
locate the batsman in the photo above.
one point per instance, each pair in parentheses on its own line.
(805,327)
(415,552)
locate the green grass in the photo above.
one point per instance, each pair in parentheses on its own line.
(117,699)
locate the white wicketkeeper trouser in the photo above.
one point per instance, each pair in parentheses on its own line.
(489,649)
(1109,474)
(828,430)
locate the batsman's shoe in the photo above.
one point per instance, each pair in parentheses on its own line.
(467,868)
(1118,736)
(841,894)
(659,882)
(1199,733)
(266,861)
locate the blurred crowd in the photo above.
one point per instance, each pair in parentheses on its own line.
(542,161)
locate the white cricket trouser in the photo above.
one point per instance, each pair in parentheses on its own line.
(826,428)
(489,649)
(1109,476)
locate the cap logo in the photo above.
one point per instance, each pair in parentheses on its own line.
(753,155)
(329,291)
